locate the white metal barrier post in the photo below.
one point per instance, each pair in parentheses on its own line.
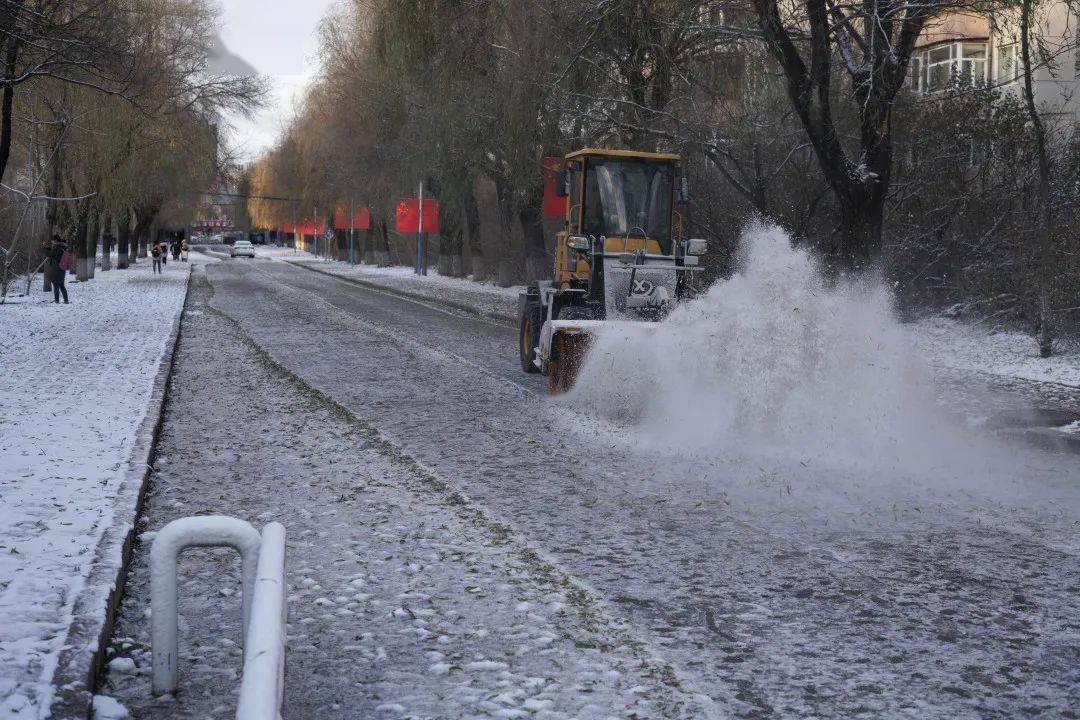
(171,540)
(262,689)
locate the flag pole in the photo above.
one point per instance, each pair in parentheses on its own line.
(420,231)
(352,223)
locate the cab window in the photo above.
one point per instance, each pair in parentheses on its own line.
(574,168)
(628,198)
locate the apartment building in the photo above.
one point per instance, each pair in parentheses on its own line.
(980,48)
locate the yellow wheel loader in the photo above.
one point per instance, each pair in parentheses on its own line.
(620,257)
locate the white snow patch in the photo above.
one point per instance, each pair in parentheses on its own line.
(122,665)
(390,707)
(953,344)
(106,708)
(487,665)
(76,384)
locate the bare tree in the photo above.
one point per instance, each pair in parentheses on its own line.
(871,43)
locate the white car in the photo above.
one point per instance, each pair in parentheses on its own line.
(242,247)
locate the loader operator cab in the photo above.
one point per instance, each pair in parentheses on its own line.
(620,257)
(626,197)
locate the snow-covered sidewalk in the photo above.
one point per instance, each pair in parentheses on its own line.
(80,385)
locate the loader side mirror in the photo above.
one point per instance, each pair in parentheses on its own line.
(562,184)
(682,191)
(578,242)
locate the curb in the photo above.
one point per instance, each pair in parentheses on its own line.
(498,317)
(82,660)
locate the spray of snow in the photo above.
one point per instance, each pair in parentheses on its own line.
(775,357)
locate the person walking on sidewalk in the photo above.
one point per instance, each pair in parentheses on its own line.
(176,249)
(59,262)
(185,251)
(163,249)
(155,252)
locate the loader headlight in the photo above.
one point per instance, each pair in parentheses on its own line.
(696,246)
(578,242)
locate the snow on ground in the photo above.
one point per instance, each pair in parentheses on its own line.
(407,277)
(785,584)
(75,386)
(482,298)
(953,344)
(405,600)
(944,342)
(282,252)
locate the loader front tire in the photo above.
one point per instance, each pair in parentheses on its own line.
(529,336)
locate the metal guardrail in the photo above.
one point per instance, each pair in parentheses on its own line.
(262,556)
(262,690)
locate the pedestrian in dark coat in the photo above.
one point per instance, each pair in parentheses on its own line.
(56,266)
(155,252)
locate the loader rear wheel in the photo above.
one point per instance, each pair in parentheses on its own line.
(529,337)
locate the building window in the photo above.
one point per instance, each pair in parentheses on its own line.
(710,15)
(939,67)
(1008,65)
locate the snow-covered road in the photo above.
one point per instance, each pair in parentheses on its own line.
(406,600)
(779,584)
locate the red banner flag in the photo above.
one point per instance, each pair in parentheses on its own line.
(554,206)
(407,213)
(288,227)
(361,219)
(307,227)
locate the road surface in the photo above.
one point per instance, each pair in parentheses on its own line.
(759,584)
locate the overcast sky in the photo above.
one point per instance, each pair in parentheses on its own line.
(279,38)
